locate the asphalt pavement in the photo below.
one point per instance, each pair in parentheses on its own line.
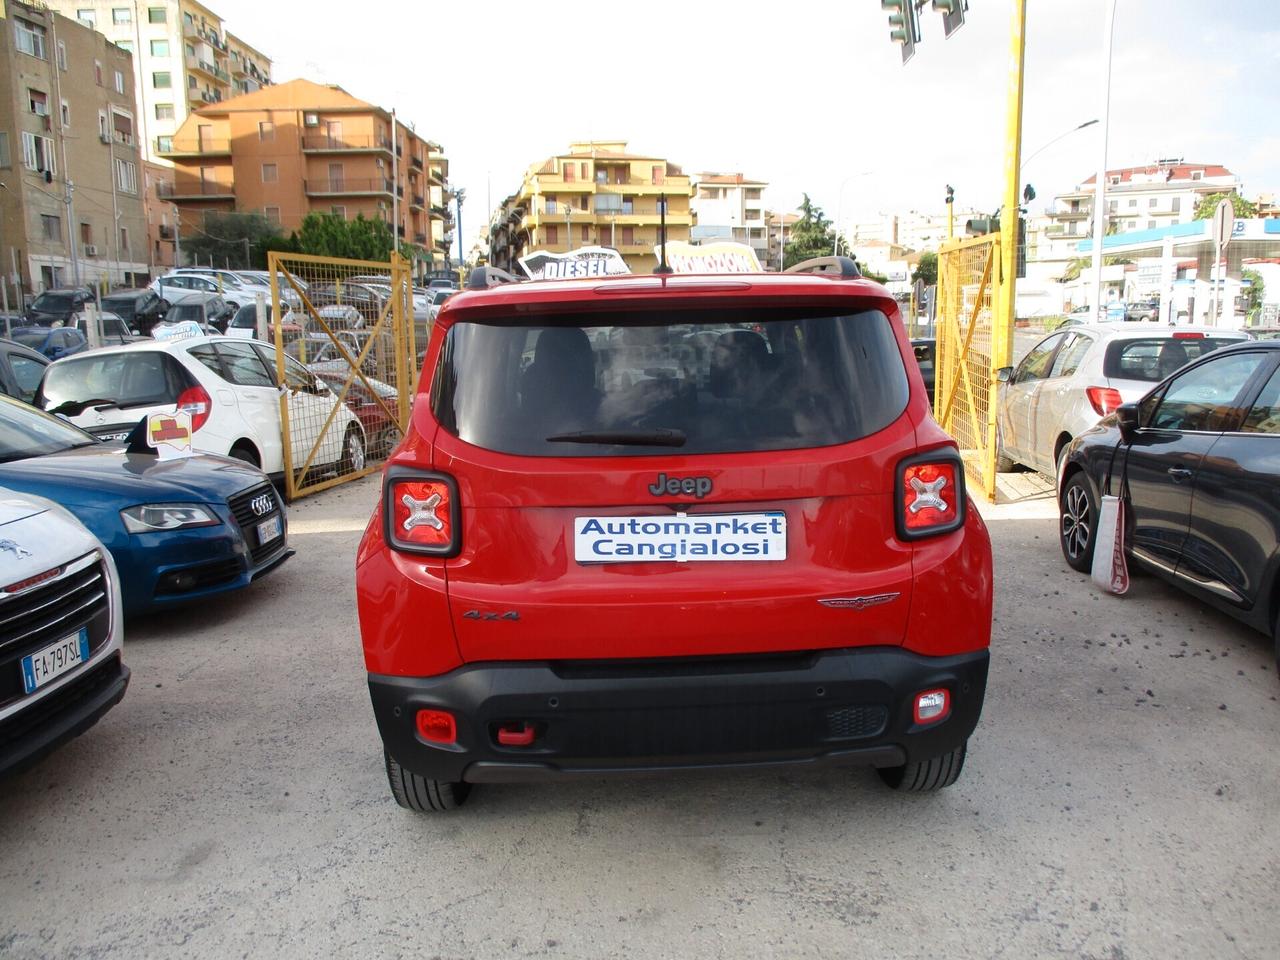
(1119,801)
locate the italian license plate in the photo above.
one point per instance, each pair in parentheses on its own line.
(680,538)
(269,530)
(54,660)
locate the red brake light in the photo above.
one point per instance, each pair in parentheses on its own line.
(1188,335)
(930,495)
(437,726)
(1104,400)
(421,513)
(197,402)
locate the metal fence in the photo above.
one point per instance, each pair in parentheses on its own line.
(969,351)
(349,346)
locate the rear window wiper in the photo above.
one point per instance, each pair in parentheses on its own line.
(77,407)
(635,438)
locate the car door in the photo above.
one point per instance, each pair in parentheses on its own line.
(309,405)
(1234,528)
(1178,424)
(1056,394)
(1018,398)
(256,397)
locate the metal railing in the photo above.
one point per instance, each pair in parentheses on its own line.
(349,185)
(203,147)
(326,142)
(171,190)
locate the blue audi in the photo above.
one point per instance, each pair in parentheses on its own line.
(179,530)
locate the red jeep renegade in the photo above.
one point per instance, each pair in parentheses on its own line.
(650,523)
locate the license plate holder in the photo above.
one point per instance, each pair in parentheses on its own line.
(51,662)
(681,538)
(269,530)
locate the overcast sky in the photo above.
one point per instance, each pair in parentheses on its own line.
(804,93)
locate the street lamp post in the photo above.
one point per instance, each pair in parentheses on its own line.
(1061,136)
(1100,184)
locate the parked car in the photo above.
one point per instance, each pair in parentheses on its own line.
(319,353)
(52,343)
(1142,311)
(1198,461)
(202,308)
(1072,378)
(442,283)
(925,349)
(366,299)
(376,417)
(553,582)
(178,530)
(235,289)
(20,370)
(108,391)
(61,629)
(244,323)
(176,287)
(59,305)
(139,309)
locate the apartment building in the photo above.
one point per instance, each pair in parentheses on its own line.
(439,197)
(779,227)
(184,58)
(70,165)
(595,194)
(299,147)
(730,206)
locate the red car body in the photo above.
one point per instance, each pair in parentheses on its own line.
(501,657)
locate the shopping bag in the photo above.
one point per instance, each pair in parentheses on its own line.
(1110,571)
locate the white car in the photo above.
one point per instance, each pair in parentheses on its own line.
(1076,376)
(177,285)
(61,629)
(228,385)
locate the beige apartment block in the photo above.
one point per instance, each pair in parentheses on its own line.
(70,164)
(295,148)
(595,194)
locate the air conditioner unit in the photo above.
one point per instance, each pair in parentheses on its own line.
(104,137)
(311,119)
(90,250)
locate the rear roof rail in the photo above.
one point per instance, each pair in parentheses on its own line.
(482,278)
(844,268)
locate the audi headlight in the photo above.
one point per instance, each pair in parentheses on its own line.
(150,517)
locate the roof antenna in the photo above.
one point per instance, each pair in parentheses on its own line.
(663,267)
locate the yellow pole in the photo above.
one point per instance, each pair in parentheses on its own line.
(1002,332)
(951,220)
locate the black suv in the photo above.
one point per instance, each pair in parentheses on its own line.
(140,309)
(57,305)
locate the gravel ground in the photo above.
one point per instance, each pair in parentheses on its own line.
(1120,801)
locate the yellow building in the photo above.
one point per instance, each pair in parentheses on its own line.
(599,194)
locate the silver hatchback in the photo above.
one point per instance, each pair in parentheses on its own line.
(1072,378)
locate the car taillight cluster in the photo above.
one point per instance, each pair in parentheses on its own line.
(421,513)
(1104,400)
(930,494)
(197,402)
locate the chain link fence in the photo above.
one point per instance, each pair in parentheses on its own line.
(966,389)
(349,337)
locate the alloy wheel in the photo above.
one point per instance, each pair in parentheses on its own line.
(1076,522)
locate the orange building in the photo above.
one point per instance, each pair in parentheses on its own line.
(301,147)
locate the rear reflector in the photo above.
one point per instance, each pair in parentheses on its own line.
(437,726)
(930,494)
(421,513)
(931,706)
(1104,400)
(1188,335)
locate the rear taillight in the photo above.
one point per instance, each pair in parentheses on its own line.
(1104,400)
(197,402)
(421,513)
(930,494)
(437,726)
(1188,335)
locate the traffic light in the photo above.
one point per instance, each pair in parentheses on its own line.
(980,226)
(904,23)
(952,14)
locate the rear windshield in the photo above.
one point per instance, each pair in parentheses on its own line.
(702,382)
(1154,358)
(53,303)
(128,379)
(185,311)
(246,317)
(33,337)
(124,306)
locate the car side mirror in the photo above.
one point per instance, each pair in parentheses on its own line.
(1127,419)
(1005,374)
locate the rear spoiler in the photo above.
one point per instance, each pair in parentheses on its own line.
(482,278)
(842,268)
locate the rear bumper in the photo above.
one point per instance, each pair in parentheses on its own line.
(29,734)
(851,706)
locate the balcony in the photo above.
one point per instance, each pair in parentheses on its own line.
(197,148)
(166,232)
(416,161)
(322,143)
(418,200)
(212,70)
(420,238)
(348,187)
(438,212)
(1074,214)
(195,191)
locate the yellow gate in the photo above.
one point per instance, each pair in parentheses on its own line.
(970,349)
(348,352)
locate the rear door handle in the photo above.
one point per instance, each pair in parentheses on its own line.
(1179,474)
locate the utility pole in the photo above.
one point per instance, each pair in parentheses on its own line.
(115,206)
(1100,182)
(395,184)
(247,262)
(177,239)
(458,196)
(68,199)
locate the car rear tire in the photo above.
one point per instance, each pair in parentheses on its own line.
(1077,523)
(926,776)
(246,453)
(420,794)
(353,455)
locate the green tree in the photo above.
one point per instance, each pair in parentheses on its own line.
(237,240)
(1257,289)
(330,235)
(1243,208)
(926,269)
(810,236)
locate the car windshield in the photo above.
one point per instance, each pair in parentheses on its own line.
(185,311)
(33,337)
(1151,359)
(53,303)
(124,306)
(246,317)
(707,381)
(28,432)
(129,379)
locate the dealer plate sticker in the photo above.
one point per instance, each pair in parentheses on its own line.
(54,660)
(680,537)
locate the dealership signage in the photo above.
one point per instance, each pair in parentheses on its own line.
(583,262)
(722,257)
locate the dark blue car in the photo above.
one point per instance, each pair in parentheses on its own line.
(54,342)
(179,530)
